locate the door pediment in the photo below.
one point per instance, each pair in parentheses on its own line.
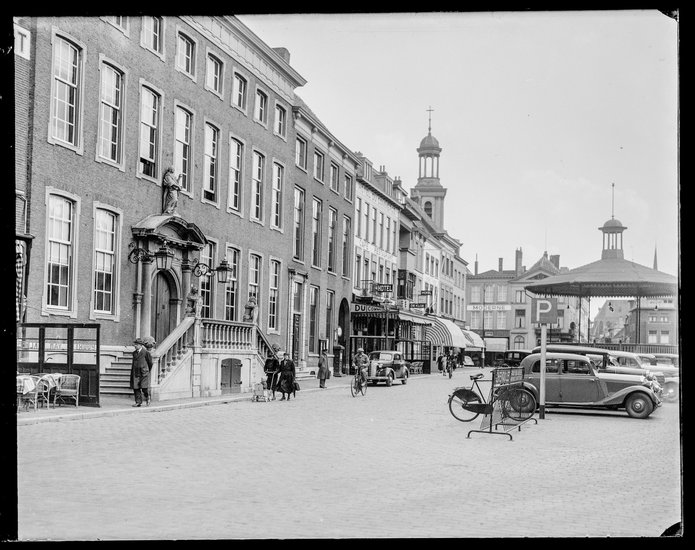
(173,228)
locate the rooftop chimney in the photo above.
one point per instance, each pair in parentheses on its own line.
(476,265)
(517,265)
(284,53)
(500,268)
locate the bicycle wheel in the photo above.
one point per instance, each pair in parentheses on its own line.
(363,388)
(458,402)
(518,404)
(354,386)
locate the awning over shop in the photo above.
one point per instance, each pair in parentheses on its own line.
(417,319)
(475,342)
(446,333)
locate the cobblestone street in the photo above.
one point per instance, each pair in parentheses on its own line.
(394,463)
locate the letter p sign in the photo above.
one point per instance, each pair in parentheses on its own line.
(544,310)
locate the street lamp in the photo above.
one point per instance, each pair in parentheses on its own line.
(164,257)
(223,270)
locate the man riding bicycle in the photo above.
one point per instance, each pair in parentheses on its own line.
(361,362)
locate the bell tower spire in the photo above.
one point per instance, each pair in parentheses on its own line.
(428,190)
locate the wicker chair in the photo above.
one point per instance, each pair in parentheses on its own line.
(39,395)
(68,389)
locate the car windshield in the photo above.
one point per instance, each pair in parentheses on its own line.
(381,356)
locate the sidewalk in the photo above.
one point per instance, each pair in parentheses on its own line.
(111,405)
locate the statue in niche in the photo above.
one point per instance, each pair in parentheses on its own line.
(171,186)
(194,303)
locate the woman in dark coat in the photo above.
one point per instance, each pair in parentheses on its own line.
(287,373)
(140,373)
(272,366)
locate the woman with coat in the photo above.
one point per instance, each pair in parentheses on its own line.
(287,373)
(323,369)
(272,366)
(140,373)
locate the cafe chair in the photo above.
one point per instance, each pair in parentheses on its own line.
(68,389)
(39,394)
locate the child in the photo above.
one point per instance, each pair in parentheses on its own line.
(266,393)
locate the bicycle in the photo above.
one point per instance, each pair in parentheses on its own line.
(516,402)
(358,385)
(450,369)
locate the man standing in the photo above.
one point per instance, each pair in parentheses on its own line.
(323,369)
(287,373)
(140,373)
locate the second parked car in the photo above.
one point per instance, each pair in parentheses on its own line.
(387,366)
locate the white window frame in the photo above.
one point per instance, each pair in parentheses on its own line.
(274,294)
(120,163)
(316,237)
(236,174)
(78,145)
(211,261)
(125,29)
(280,123)
(257,186)
(212,55)
(334,177)
(255,275)
(346,248)
(233,256)
(144,36)
(158,133)
(260,111)
(301,149)
(348,184)
(313,320)
(332,256)
(115,314)
(276,198)
(319,165)
(189,177)
(181,59)
(211,160)
(71,309)
(236,78)
(298,224)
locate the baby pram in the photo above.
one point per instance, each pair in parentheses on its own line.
(260,392)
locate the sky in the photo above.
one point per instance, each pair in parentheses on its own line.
(537,114)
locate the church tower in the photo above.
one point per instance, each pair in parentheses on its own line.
(428,192)
(612,235)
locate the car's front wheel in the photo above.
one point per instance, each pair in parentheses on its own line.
(638,405)
(405,378)
(389,379)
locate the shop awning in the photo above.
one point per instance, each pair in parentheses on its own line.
(475,342)
(417,319)
(446,333)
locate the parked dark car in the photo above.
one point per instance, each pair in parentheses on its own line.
(573,381)
(513,357)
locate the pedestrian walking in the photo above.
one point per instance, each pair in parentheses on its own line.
(440,363)
(140,373)
(271,369)
(324,369)
(287,374)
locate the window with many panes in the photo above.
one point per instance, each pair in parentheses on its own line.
(239,91)
(185,54)
(300,152)
(520,318)
(182,146)
(332,222)
(258,169)
(381,230)
(276,198)
(313,318)
(153,33)
(213,74)
(358,217)
(60,236)
(501,293)
(335,178)
(475,320)
(501,320)
(280,124)
(366,221)
(149,132)
(260,111)
(373,229)
(665,337)
(274,295)
(330,299)
(319,160)
(231,289)
(111,113)
(298,237)
(67,82)
(255,277)
(316,208)
(347,181)
(119,21)
(520,296)
(210,183)
(207,256)
(346,246)
(236,157)
(519,342)
(105,246)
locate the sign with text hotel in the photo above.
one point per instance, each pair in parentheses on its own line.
(488,307)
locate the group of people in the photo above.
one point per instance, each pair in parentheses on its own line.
(446,363)
(280,376)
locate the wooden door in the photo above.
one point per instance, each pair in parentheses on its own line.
(161,308)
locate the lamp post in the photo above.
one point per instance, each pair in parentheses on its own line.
(223,270)
(164,257)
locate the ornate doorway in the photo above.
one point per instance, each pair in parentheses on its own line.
(163,314)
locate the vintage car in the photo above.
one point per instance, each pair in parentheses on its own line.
(572,381)
(387,366)
(467,361)
(624,362)
(513,357)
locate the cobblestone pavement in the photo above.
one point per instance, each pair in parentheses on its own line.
(393,463)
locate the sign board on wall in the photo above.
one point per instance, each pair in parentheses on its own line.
(488,307)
